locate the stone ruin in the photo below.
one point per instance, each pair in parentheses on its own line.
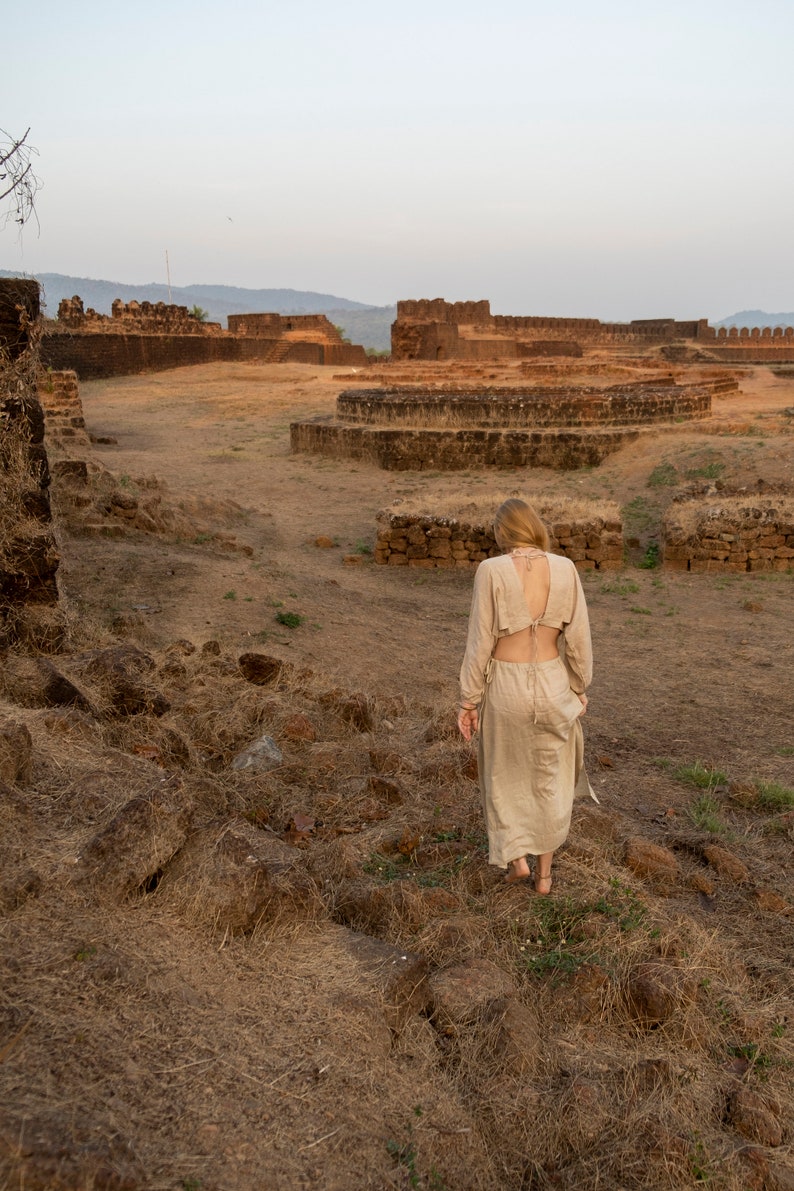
(450,428)
(152,336)
(433,329)
(593,541)
(298,339)
(735,533)
(142,318)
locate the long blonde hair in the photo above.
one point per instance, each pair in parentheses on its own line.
(517,524)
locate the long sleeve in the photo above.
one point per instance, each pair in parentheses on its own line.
(480,640)
(578,646)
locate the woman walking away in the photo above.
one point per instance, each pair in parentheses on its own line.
(527,665)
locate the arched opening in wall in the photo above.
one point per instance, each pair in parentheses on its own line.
(441,353)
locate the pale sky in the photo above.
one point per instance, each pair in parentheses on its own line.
(613,160)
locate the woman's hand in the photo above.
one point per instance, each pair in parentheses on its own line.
(468,721)
(583,700)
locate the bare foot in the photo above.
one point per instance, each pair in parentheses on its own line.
(543,884)
(517,870)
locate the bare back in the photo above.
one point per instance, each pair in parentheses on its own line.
(538,644)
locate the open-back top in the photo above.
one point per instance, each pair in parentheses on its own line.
(499,608)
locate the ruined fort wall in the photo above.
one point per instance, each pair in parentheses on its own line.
(273,326)
(94,356)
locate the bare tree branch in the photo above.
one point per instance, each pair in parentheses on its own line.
(18,183)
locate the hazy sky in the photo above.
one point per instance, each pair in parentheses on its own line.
(615,160)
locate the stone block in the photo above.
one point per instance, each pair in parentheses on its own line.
(726,863)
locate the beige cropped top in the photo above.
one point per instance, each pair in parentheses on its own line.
(498,608)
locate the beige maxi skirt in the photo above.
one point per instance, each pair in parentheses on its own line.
(530,757)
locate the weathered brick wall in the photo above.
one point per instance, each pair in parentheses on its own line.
(59,395)
(427,541)
(405,449)
(736,534)
(273,326)
(94,356)
(502,408)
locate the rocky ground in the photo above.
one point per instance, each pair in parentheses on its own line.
(249,934)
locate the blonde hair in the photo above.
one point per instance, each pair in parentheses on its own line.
(517,524)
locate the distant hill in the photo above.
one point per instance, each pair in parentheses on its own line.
(370,325)
(756,318)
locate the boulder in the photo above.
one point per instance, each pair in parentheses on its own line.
(129,853)
(237,876)
(461,994)
(123,675)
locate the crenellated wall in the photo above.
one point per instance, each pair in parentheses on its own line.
(145,318)
(432,329)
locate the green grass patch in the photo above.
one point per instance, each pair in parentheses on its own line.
(650,559)
(230,595)
(705,814)
(774,797)
(664,475)
(641,611)
(290,619)
(705,777)
(622,587)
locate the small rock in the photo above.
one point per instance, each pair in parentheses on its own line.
(353,560)
(387,789)
(651,861)
(702,883)
(16,752)
(754,1117)
(398,976)
(726,864)
(656,990)
(324,542)
(122,672)
(299,727)
(262,755)
(461,994)
(769,900)
(36,682)
(211,649)
(356,711)
(519,1037)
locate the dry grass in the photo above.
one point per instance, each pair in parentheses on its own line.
(460,504)
(743,512)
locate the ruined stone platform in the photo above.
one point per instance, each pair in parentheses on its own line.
(414,428)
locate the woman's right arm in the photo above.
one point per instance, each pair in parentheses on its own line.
(480,643)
